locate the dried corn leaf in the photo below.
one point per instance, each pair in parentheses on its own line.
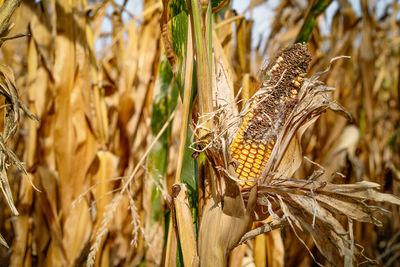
(3,241)
(260,251)
(303,202)
(184,222)
(81,224)
(275,249)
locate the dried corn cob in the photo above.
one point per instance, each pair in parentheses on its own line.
(253,144)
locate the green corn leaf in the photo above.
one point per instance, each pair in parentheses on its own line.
(310,20)
(217,5)
(164,103)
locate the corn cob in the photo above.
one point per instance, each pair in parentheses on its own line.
(253,144)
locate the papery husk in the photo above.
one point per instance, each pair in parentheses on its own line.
(222,226)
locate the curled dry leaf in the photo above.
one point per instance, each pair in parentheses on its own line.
(12,107)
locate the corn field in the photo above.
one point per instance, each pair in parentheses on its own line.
(176,136)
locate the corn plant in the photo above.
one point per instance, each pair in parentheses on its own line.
(168,138)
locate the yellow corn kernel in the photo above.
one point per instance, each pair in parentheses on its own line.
(251,155)
(248,165)
(246,169)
